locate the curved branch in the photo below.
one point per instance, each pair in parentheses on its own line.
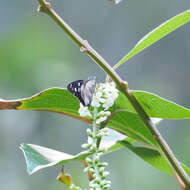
(121,85)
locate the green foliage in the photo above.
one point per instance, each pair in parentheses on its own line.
(157,34)
(61,101)
(131,125)
(55,99)
(124,120)
(151,156)
(38,157)
(156,106)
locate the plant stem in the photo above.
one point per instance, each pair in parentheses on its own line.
(95,141)
(84,45)
(94,125)
(158,137)
(121,85)
(99,139)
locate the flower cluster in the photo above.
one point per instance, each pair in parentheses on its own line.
(95,167)
(105,95)
(103,98)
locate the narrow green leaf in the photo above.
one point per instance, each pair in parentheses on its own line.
(157,34)
(38,157)
(158,107)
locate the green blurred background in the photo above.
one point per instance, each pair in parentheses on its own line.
(35,54)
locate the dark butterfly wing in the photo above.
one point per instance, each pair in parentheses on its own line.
(83,90)
(75,89)
(87,90)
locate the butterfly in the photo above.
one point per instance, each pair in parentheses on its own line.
(83,89)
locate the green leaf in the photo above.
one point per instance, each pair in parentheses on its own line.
(61,101)
(55,99)
(38,157)
(124,119)
(151,156)
(157,34)
(155,106)
(131,125)
(158,107)
(122,103)
(118,145)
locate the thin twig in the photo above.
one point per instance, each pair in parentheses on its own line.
(121,85)
(179,181)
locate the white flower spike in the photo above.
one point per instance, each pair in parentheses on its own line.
(104,97)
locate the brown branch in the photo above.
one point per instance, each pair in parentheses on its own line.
(121,85)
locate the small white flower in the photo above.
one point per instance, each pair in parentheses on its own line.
(104,113)
(101,119)
(89,160)
(102,169)
(95,103)
(101,86)
(107,186)
(107,90)
(94,185)
(108,103)
(90,141)
(86,169)
(85,146)
(84,111)
(105,173)
(97,99)
(98,94)
(111,94)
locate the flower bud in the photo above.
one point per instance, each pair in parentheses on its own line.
(89,132)
(85,146)
(89,160)
(105,174)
